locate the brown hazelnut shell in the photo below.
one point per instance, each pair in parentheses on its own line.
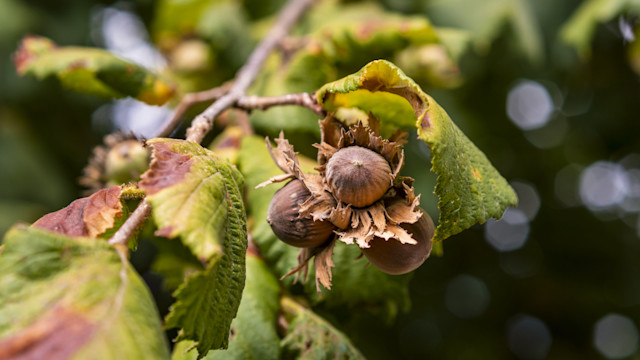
(358,176)
(394,257)
(283,216)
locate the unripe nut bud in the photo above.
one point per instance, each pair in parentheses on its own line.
(358,176)
(395,258)
(288,226)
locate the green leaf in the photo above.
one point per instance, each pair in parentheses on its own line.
(254,329)
(73,298)
(197,197)
(90,71)
(338,39)
(352,34)
(469,188)
(354,283)
(580,28)
(310,337)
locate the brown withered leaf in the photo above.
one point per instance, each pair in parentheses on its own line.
(167,168)
(56,336)
(89,216)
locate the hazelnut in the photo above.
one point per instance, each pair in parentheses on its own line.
(395,258)
(283,216)
(358,176)
(126,161)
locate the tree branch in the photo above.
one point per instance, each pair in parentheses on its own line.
(203,123)
(289,15)
(265,102)
(132,224)
(189,100)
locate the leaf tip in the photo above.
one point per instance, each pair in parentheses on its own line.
(29,49)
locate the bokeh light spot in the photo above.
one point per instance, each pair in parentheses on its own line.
(603,185)
(528,337)
(510,232)
(528,198)
(529,105)
(615,336)
(134,116)
(123,32)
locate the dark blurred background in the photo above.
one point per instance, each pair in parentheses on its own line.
(556,278)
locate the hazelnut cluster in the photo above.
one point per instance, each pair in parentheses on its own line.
(122,158)
(357,196)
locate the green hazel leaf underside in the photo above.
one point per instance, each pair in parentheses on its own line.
(197,197)
(310,337)
(90,71)
(389,291)
(469,188)
(73,298)
(254,328)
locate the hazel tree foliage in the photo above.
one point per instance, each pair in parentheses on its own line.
(332,75)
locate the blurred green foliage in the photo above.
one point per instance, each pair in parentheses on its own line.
(577,265)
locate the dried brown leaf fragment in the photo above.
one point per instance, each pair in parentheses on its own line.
(89,216)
